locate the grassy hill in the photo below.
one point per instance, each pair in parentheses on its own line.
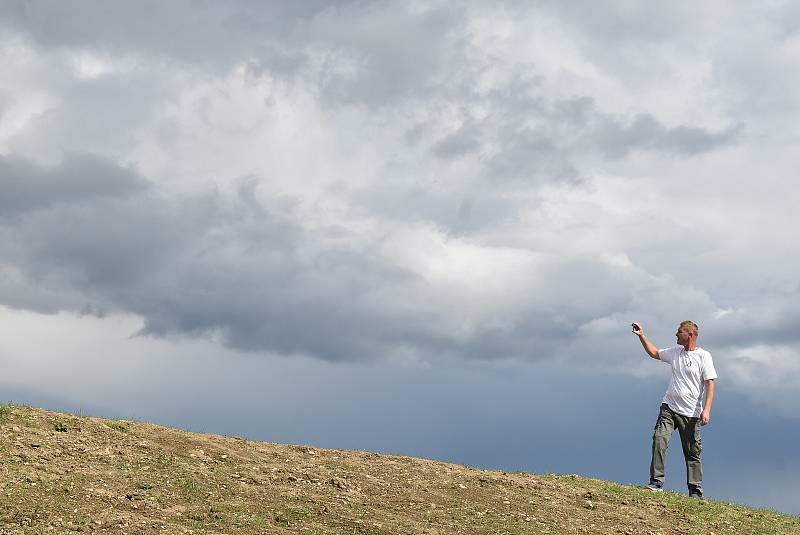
(64,473)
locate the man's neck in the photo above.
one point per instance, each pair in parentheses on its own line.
(691,346)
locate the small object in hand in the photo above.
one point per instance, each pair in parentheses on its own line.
(636,327)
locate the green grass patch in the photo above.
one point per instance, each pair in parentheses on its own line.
(286,516)
(5,412)
(118,425)
(164,461)
(189,486)
(718,516)
(255,521)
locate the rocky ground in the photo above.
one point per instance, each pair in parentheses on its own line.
(66,473)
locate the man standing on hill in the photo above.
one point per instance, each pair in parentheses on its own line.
(683,405)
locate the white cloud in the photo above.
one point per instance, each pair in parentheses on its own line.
(89,65)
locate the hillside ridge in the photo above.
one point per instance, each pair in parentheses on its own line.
(66,473)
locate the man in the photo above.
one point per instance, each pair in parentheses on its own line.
(684,406)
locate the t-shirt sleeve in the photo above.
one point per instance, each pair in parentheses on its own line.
(708,368)
(667,355)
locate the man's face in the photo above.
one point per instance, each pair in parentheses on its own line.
(683,335)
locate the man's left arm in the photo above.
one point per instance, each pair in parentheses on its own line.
(705,416)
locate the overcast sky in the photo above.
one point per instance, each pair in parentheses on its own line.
(414,227)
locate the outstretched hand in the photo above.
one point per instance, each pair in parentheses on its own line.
(637,329)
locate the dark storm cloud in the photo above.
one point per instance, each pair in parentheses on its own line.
(525,136)
(80,177)
(354,52)
(247,271)
(617,139)
(245,268)
(201,32)
(200,265)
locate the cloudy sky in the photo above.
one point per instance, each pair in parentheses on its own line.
(415,227)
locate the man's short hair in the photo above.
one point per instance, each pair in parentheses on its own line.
(692,326)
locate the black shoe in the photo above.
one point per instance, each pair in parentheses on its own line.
(696,493)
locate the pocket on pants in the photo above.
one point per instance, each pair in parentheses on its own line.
(697,446)
(664,424)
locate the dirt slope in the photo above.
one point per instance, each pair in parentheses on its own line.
(63,473)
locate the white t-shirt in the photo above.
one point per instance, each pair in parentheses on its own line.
(690,369)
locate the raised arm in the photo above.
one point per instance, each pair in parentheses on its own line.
(646,344)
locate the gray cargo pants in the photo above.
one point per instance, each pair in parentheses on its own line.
(689,429)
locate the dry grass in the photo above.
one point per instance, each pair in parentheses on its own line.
(65,473)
